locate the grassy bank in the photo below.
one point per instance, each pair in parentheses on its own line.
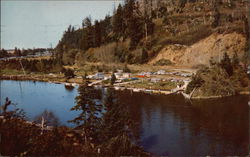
(145,84)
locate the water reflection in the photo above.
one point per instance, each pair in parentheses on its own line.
(172,126)
(69,88)
(163,125)
(35,97)
(49,117)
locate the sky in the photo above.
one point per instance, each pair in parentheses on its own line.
(40,24)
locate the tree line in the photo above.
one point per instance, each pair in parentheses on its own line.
(43,65)
(127,22)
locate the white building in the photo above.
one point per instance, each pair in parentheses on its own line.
(126,75)
(99,76)
(161,72)
(118,75)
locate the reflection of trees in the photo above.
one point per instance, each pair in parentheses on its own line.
(69,88)
(115,119)
(90,115)
(222,122)
(50,118)
(134,106)
(104,121)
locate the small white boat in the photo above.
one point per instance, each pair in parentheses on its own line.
(68,84)
(148,91)
(136,90)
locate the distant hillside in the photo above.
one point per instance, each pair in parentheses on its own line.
(186,32)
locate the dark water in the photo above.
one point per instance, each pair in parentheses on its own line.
(166,125)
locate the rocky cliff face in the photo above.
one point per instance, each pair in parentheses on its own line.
(201,52)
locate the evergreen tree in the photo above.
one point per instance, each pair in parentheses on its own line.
(118,24)
(87,22)
(144,56)
(113,78)
(128,10)
(135,29)
(89,118)
(83,41)
(98,35)
(134,23)
(89,39)
(17,52)
(116,119)
(150,26)
(226,64)
(3,53)
(216,17)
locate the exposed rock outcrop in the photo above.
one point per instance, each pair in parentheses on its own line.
(201,52)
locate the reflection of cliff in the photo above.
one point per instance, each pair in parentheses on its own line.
(219,127)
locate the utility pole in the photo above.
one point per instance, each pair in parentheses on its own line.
(22,66)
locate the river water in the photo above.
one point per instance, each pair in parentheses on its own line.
(166,124)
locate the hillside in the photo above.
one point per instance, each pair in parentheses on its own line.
(182,32)
(202,51)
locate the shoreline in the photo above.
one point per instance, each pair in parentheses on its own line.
(218,96)
(78,81)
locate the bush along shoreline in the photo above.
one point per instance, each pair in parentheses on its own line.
(226,78)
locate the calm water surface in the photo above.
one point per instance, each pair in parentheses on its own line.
(165,125)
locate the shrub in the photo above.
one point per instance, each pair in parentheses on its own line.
(68,73)
(163,62)
(196,82)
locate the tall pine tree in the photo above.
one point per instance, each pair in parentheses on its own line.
(90,115)
(118,23)
(226,64)
(98,35)
(116,119)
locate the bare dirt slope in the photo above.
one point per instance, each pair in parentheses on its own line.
(200,53)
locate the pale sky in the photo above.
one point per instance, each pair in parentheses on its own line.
(33,24)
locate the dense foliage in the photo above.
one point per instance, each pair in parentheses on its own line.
(32,65)
(127,23)
(148,26)
(220,79)
(105,122)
